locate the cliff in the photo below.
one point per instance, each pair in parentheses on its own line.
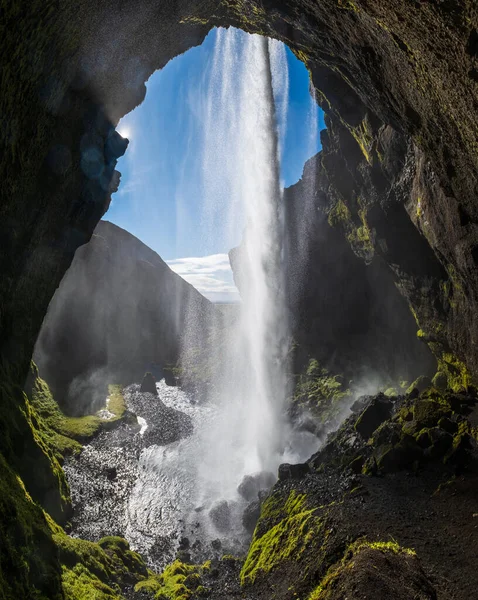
(345,312)
(119,311)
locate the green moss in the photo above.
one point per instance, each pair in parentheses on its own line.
(339,214)
(320,391)
(420,384)
(97,570)
(64,434)
(25,571)
(363,135)
(321,592)
(178,581)
(391,391)
(440,380)
(286,541)
(456,371)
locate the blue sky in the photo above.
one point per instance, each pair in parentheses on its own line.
(160,198)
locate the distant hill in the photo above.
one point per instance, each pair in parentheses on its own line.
(119,311)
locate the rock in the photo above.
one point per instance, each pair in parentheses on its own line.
(440,380)
(378,411)
(184,543)
(111,473)
(377,572)
(251,485)
(448,425)
(220,515)
(391,458)
(387,433)
(287,471)
(441,442)
(148,384)
(251,515)
(423,439)
(420,384)
(356,465)
(115,146)
(427,412)
(359,404)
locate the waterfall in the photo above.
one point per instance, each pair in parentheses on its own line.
(242,179)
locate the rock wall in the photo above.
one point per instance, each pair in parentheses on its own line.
(398,81)
(119,311)
(345,312)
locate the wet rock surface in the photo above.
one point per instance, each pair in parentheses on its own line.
(165,424)
(102,478)
(385,487)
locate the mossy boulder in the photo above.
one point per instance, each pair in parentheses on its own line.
(376,570)
(440,381)
(395,457)
(378,411)
(420,384)
(427,412)
(287,530)
(178,581)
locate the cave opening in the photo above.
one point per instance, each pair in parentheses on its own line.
(221,171)
(222,130)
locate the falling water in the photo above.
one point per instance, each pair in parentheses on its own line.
(242,182)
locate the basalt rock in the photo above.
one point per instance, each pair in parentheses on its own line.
(252,485)
(379,409)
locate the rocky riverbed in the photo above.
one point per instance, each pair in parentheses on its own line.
(146,481)
(107,480)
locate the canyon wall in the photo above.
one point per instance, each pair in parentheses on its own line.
(119,311)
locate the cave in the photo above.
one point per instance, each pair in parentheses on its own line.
(397,178)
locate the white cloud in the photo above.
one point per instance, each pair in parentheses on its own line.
(211,275)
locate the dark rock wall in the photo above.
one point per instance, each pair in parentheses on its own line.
(344,311)
(398,80)
(118,312)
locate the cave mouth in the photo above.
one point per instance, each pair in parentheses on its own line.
(208,187)
(219,149)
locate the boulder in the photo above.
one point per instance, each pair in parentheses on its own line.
(378,411)
(391,458)
(220,515)
(287,471)
(252,485)
(148,384)
(251,515)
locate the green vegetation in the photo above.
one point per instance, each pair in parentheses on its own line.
(363,135)
(96,570)
(63,434)
(320,391)
(287,540)
(328,582)
(179,581)
(339,214)
(38,560)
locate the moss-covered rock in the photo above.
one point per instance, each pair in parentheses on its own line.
(288,539)
(375,570)
(178,581)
